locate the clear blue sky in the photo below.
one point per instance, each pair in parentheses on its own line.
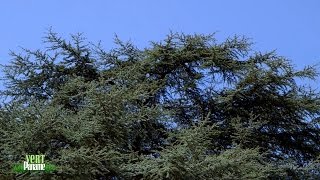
(292,27)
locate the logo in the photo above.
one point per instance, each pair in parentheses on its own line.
(34,163)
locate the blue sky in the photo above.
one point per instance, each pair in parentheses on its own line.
(292,27)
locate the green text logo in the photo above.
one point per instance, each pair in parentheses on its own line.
(34,163)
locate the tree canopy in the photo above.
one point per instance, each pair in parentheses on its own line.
(186,107)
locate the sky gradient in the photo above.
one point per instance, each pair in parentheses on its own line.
(291,27)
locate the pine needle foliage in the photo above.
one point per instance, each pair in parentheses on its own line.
(187,107)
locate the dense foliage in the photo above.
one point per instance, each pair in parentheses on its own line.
(187,107)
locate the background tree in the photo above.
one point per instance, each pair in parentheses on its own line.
(184,108)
